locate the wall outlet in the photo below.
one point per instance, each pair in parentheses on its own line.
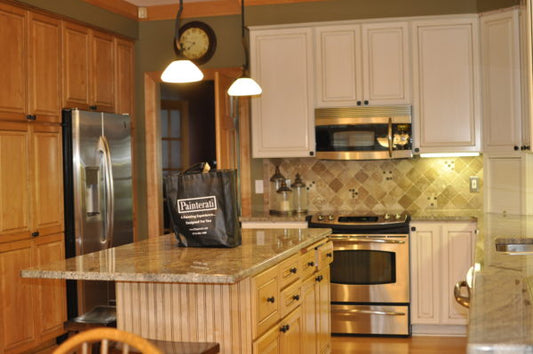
(432,201)
(259,187)
(474,184)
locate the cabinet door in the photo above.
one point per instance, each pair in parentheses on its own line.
(504,183)
(446,85)
(290,340)
(124,77)
(501,82)
(268,343)
(47,181)
(44,85)
(323,311)
(18,312)
(13,62)
(15,184)
(309,316)
(76,62)
(283,116)
(339,78)
(51,293)
(458,243)
(103,71)
(386,74)
(425,276)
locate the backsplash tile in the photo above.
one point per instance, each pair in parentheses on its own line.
(411,185)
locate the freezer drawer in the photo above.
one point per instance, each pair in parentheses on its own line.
(370,319)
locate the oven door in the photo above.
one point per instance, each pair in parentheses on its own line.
(370,268)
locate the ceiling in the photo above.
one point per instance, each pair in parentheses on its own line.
(146,3)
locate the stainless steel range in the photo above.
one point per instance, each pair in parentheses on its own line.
(369,274)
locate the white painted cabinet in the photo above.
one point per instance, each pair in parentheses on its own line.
(362,64)
(441,254)
(446,84)
(500,58)
(283,116)
(508,186)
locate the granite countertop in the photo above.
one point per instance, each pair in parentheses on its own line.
(161,260)
(501,311)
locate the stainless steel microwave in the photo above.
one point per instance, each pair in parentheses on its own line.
(364,133)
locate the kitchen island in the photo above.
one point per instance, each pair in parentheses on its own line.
(501,306)
(273,290)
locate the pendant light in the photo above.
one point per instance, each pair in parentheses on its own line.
(181,70)
(244,86)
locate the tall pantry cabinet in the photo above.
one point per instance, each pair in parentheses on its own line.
(32,73)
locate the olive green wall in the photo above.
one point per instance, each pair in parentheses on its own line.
(90,14)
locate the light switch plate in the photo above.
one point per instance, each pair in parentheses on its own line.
(259,186)
(474,184)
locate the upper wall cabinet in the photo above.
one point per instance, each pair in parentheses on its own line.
(446,85)
(500,56)
(364,64)
(13,62)
(124,76)
(89,68)
(283,116)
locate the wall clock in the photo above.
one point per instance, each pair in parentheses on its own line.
(197,41)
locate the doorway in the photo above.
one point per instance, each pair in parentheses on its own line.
(225,108)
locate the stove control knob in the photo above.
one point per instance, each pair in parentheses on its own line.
(398,216)
(331,217)
(320,217)
(387,216)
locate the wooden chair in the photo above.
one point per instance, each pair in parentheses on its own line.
(81,342)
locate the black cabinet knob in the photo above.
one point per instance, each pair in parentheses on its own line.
(527,147)
(93,108)
(329,254)
(413,228)
(366,102)
(271,299)
(293,270)
(35,234)
(284,328)
(417,150)
(31,117)
(311,153)
(515,148)
(358,103)
(296,297)
(311,264)
(319,278)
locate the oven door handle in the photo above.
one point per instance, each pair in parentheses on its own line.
(369,312)
(347,238)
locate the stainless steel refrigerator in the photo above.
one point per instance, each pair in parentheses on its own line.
(98,195)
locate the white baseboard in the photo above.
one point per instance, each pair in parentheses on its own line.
(438,330)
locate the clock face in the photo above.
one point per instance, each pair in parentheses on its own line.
(197,41)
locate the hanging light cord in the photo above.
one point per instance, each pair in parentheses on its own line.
(177,28)
(243,40)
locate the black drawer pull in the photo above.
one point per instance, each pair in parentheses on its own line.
(271,299)
(35,234)
(293,270)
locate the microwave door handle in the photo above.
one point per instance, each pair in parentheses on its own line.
(389,136)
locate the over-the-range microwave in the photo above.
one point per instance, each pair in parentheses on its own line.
(364,133)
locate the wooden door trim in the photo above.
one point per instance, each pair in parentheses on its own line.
(154,188)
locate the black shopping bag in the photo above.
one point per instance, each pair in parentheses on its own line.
(203,207)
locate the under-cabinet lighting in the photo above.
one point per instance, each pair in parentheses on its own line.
(449,154)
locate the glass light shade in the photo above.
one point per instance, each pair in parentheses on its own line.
(182,71)
(244,86)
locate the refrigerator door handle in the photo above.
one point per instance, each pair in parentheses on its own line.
(105,153)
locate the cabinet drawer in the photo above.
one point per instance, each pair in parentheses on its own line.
(265,300)
(290,298)
(289,271)
(325,255)
(308,263)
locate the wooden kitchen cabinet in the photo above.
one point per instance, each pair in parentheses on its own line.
(44,68)
(441,254)
(125,67)
(283,116)
(446,85)
(362,64)
(89,68)
(502,103)
(13,62)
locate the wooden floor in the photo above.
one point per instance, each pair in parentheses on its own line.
(418,345)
